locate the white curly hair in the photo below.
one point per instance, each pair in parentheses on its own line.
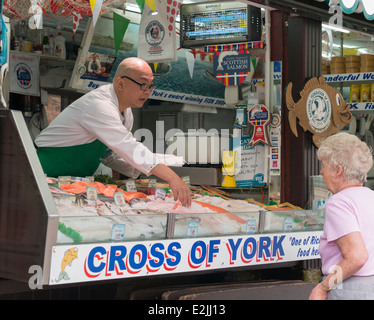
(348,151)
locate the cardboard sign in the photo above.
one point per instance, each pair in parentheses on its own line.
(24,74)
(321,110)
(251,163)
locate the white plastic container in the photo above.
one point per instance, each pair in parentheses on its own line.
(60,49)
(51,45)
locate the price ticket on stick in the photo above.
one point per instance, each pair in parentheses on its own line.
(259,118)
(119,199)
(160,193)
(130,186)
(91,194)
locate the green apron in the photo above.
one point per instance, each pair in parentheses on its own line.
(78,161)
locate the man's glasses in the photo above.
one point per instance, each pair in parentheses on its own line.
(143,86)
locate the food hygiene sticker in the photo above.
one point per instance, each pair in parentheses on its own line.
(108,261)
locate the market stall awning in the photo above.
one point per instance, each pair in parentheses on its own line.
(365,7)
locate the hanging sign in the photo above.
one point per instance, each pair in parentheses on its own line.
(321,110)
(24,74)
(155,44)
(259,118)
(231,67)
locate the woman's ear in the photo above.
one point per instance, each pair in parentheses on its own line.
(340,170)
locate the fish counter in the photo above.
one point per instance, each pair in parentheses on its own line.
(148,216)
(80,231)
(106,232)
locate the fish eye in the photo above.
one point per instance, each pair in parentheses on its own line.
(338,100)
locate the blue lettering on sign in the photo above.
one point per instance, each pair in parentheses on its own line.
(198,252)
(118,253)
(201,252)
(172,251)
(93,257)
(158,256)
(132,259)
(263,249)
(93,85)
(138,252)
(119,259)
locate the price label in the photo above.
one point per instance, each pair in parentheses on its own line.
(250,226)
(160,193)
(186,179)
(192,228)
(152,183)
(119,199)
(64,180)
(287,226)
(130,186)
(118,232)
(91,193)
(90,179)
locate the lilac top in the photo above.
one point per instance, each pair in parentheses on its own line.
(349,210)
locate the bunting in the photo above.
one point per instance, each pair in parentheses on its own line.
(240,47)
(77,19)
(120,25)
(95,9)
(190,62)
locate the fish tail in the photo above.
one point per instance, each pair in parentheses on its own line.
(289,100)
(291,107)
(292,121)
(60,277)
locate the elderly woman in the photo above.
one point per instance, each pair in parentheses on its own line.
(347,242)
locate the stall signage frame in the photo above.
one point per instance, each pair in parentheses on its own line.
(118,260)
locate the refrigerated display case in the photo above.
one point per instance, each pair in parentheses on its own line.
(74,240)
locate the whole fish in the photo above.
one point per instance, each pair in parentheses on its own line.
(320,110)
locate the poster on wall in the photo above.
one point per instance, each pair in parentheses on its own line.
(24,74)
(173,80)
(97,67)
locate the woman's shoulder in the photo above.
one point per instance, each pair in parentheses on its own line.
(353,194)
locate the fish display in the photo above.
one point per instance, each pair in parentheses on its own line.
(144,217)
(320,110)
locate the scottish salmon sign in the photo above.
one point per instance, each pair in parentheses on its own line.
(320,110)
(231,67)
(116,260)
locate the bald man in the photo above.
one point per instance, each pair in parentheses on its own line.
(100,123)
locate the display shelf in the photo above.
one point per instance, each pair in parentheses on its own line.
(349,78)
(361,107)
(46,57)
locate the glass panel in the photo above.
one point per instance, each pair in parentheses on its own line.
(292,220)
(86,229)
(212,224)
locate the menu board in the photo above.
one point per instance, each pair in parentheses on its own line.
(251,162)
